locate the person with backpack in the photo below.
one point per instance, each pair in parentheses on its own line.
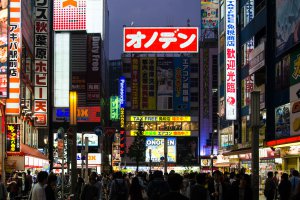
(158,186)
(119,188)
(3,192)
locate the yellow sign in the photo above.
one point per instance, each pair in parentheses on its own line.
(163,133)
(122,117)
(160,118)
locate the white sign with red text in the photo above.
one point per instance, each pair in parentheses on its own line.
(230,68)
(160,39)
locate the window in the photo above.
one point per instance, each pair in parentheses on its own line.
(194,96)
(194,68)
(164,102)
(194,82)
(126,68)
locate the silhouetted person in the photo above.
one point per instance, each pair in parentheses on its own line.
(135,191)
(51,186)
(270,187)
(284,187)
(199,190)
(175,184)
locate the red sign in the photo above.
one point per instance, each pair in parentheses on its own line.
(160,39)
(69,15)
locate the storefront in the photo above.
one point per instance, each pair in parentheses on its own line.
(94,162)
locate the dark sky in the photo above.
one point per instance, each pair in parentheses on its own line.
(148,13)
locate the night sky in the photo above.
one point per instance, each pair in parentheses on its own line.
(148,13)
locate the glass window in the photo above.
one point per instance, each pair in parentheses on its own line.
(134,125)
(149,126)
(160,126)
(194,126)
(246,50)
(194,68)
(186,126)
(177,126)
(194,82)
(194,96)
(169,126)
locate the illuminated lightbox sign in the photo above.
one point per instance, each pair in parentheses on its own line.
(122,100)
(93,158)
(157,149)
(93,139)
(84,114)
(160,118)
(114,108)
(160,39)
(13,137)
(163,133)
(69,15)
(230,73)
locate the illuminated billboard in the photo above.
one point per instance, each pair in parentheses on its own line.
(122,100)
(69,15)
(162,133)
(3,49)
(209,14)
(230,52)
(84,114)
(157,149)
(13,137)
(160,39)
(114,108)
(15,49)
(93,139)
(153,118)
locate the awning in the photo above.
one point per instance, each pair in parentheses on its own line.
(290,141)
(28,151)
(237,152)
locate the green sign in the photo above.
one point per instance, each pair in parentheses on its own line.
(114,108)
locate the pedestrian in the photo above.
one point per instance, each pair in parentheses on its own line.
(216,188)
(175,184)
(284,187)
(199,189)
(3,192)
(296,196)
(135,191)
(38,191)
(79,187)
(90,190)
(157,187)
(245,191)
(51,187)
(270,187)
(119,189)
(295,180)
(28,182)
(13,186)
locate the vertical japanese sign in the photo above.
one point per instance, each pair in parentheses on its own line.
(122,85)
(3,49)
(209,14)
(114,108)
(69,15)
(248,88)
(230,72)
(135,84)
(13,137)
(15,48)
(164,83)
(148,84)
(181,95)
(41,41)
(93,78)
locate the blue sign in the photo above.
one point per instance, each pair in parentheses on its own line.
(122,91)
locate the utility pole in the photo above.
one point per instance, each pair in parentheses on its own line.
(255,122)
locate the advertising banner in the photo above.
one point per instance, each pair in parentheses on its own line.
(160,39)
(13,137)
(162,133)
(79,82)
(295,118)
(187,150)
(227,136)
(295,92)
(14,58)
(84,114)
(164,72)
(135,84)
(148,84)
(181,95)
(230,51)
(3,49)
(209,14)
(282,121)
(122,100)
(257,58)
(114,108)
(287,24)
(122,142)
(157,149)
(93,139)
(153,118)
(295,67)
(93,78)
(93,159)
(69,15)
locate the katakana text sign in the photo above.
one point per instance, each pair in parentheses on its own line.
(160,39)
(13,137)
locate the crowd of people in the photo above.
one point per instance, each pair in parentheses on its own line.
(151,186)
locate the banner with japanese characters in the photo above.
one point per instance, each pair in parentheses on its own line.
(247,88)
(181,95)
(209,14)
(3,49)
(148,84)
(13,137)
(165,68)
(230,51)
(114,108)
(15,49)
(135,83)
(41,41)
(160,39)
(69,15)
(93,78)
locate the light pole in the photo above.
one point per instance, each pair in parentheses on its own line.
(212,151)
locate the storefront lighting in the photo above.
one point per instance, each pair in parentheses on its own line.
(287,145)
(73,108)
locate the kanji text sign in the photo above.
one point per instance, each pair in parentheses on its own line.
(160,39)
